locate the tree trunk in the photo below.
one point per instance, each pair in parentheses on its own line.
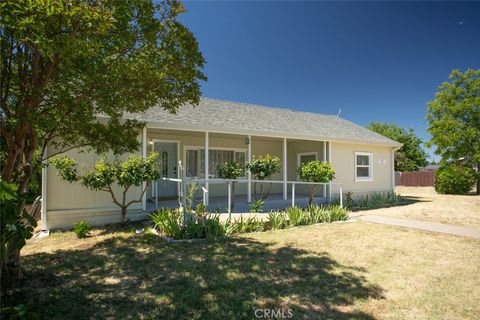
(233,197)
(123,215)
(12,259)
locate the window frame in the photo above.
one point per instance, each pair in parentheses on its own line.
(369,166)
(199,148)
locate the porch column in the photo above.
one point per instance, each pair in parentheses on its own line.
(285,169)
(324,159)
(392,166)
(43,209)
(206,168)
(144,154)
(249,174)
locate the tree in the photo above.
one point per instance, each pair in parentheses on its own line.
(410,156)
(231,170)
(315,171)
(454,120)
(105,175)
(263,168)
(71,69)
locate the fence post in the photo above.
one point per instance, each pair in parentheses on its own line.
(229,200)
(341,197)
(293,194)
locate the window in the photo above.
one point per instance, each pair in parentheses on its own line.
(195,160)
(363,166)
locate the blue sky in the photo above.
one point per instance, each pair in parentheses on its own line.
(377,61)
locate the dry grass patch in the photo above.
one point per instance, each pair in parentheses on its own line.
(349,270)
(427,205)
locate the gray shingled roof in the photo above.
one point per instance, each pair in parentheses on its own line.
(241,118)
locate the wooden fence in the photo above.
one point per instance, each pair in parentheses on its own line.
(415,178)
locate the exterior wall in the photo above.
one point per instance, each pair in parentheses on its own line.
(71,202)
(343,161)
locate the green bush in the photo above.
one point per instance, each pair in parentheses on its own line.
(167,221)
(263,168)
(250,224)
(296,216)
(256,206)
(276,220)
(82,229)
(369,201)
(454,179)
(315,171)
(213,227)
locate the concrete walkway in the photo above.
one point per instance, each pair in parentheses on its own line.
(422,225)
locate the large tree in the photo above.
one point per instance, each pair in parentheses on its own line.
(70,69)
(454,119)
(411,155)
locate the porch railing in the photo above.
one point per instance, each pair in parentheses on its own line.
(203,182)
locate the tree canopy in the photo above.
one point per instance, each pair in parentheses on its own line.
(70,70)
(410,156)
(454,119)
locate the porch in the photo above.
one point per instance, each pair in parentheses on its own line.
(199,153)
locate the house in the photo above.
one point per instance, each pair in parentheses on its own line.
(217,131)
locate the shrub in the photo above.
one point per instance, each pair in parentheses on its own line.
(231,170)
(213,227)
(276,220)
(337,213)
(454,179)
(82,229)
(250,224)
(263,168)
(317,214)
(369,201)
(256,206)
(167,221)
(315,171)
(296,216)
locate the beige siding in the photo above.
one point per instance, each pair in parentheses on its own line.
(343,161)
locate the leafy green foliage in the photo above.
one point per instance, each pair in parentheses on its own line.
(256,206)
(250,224)
(454,179)
(167,221)
(315,171)
(231,170)
(295,216)
(277,220)
(411,155)
(16,225)
(263,168)
(370,201)
(82,229)
(454,119)
(131,172)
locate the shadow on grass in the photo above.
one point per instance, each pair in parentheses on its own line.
(143,276)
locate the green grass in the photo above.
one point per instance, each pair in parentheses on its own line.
(350,270)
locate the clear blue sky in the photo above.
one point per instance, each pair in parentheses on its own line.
(375,61)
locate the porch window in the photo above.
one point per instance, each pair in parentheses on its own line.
(363,166)
(195,160)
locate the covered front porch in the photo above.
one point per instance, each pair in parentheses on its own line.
(199,153)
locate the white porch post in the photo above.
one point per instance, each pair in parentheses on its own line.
(144,154)
(324,159)
(206,168)
(43,209)
(249,174)
(285,169)
(392,166)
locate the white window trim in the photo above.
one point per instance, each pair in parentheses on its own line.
(370,167)
(185,148)
(300,154)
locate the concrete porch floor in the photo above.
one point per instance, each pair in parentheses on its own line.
(219,204)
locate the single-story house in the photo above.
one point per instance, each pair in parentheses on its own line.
(216,131)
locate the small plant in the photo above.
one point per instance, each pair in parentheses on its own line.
(337,213)
(454,179)
(213,227)
(230,228)
(295,216)
(276,220)
(194,230)
(263,168)
(317,214)
(167,221)
(201,210)
(256,206)
(250,224)
(315,171)
(82,229)
(231,170)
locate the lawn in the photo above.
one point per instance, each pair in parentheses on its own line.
(427,205)
(350,270)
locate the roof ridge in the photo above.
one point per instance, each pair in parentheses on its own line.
(269,107)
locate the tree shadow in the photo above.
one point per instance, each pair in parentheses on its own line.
(145,277)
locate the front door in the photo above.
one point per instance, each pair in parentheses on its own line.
(168,167)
